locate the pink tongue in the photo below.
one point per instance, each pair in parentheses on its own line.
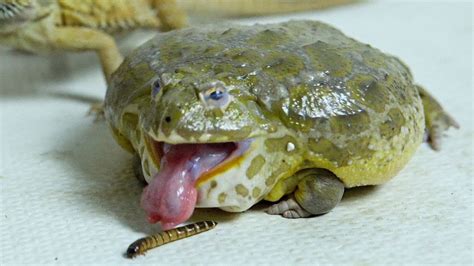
(170,197)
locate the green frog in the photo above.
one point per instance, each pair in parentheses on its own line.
(293,113)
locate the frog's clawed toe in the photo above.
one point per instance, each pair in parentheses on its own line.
(97,110)
(437,128)
(437,120)
(288,208)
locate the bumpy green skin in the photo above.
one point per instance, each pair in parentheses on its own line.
(342,104)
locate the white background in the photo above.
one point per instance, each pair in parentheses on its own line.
(68,194)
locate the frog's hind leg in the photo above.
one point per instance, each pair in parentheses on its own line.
(436,119)
(318,191)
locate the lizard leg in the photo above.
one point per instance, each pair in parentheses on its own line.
(170,14)
(436,119)
(84,39)
(317,192)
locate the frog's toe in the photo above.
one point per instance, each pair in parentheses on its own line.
(97,110)
(293,214)
(439,124)
(288,208)
(318,192)
(437,120)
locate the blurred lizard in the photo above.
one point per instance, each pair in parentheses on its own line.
(239,8)
(43,26)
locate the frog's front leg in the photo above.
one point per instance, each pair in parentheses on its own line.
(318,191)
(436,119)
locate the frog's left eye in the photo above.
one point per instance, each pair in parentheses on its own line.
(156,87)
(216,97)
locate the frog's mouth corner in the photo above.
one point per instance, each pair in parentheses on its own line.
(171,196)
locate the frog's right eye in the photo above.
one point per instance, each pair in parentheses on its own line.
(156,87)
(216,97)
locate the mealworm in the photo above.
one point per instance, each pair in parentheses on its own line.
(142,245)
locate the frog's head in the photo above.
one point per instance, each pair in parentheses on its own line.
(188,109)
(16,13)
(203,137)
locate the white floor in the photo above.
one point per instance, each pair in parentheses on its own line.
(68,195)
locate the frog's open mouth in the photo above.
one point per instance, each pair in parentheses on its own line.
(170,198)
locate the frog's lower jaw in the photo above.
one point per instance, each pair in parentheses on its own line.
(171,196)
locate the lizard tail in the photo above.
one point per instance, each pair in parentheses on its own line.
(234,8)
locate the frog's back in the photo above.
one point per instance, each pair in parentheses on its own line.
(354,109)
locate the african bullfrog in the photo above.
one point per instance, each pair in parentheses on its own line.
(291,113)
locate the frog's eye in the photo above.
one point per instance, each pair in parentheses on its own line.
(156,87)
(216,97)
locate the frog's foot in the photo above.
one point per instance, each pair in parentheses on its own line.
(288,208)
(97,110)
(318,192)
(436,119)
(440,121)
